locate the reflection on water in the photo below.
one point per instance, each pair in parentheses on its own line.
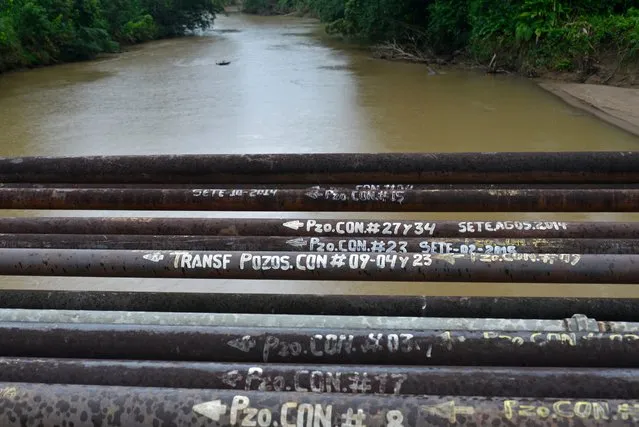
(288,89)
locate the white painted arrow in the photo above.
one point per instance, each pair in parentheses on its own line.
(154,257)
(315,192)
(212,410)
(232,378)
(294,225)
(298,243)
(448,410)
(245,344)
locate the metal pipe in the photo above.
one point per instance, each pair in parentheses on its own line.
(299,321)
(302,227)
(350,187)
(620,309)
(325,199)
(517,268)
(350,379)
(357,168)
(319,244)
(326,346)
(44,405)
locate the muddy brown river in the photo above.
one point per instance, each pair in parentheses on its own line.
(288,89)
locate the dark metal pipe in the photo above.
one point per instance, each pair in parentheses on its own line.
(44,405)
(325,199)
(512,268)
(351,379)
(350,187)
(357,168)
(326,346)
(320,227)
(620,309)
(319,244)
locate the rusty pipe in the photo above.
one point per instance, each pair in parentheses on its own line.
(315,345)
(325,199)
(320,227)
(349,379)
(302,227)
(373,168)
(318,244)
(512,268)
(44,405)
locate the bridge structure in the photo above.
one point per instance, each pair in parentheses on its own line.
(95,358)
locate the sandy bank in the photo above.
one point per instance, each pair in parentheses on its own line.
(616,105)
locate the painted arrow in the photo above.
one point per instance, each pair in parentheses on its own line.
(315,192)
(294,225)
(212,410)
(297,243)
(245,344)
(448,410)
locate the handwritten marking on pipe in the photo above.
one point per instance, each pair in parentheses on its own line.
(224,193)
(154,257)
(212,410)
(386,194)
(448,410)
(300,242)
(280,347)
(319,345)
(479,226)
(572,259)
(567,409)
(245,344)
(417,228)
(300,262)
(317,381)
(294,225)
(292,414)
(385,245)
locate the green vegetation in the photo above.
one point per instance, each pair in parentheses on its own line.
(529,36)
(42,32)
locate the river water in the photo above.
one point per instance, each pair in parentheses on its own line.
(289,88)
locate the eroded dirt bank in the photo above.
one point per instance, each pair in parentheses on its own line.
(616,105)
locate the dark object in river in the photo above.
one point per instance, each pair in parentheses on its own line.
(223,63)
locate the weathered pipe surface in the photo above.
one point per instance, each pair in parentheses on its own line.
(520,268)
(304,321)
(357,168)
(314,345)
(319,244)
(351,379)
(319,227)
(325,199)
(620,309)
(42,405)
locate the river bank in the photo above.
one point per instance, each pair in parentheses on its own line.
(611,94)
(615,105)
(615,102)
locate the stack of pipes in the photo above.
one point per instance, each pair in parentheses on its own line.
(178,359)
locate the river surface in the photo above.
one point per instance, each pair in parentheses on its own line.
(289,88)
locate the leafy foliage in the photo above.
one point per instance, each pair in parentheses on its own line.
(528,35)
(41,32)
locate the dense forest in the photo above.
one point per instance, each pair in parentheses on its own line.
(528,36)
(41,32)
